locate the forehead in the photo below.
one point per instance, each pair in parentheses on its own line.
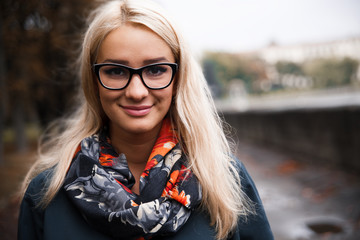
(133,44)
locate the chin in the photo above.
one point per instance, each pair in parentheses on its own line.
(139,128)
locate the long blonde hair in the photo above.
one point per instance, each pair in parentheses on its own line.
(200,129)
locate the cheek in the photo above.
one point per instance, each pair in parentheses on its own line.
(169,100)
(107,99)
(103,98)
(168,96)
(106,95)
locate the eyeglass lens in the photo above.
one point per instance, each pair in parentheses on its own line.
(156,76)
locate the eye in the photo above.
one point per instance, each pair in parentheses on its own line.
(156,71)
(114,72)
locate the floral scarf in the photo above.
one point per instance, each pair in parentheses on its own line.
(99,181)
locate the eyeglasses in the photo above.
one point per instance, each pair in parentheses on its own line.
(115,76)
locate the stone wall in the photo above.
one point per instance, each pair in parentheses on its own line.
(329,136)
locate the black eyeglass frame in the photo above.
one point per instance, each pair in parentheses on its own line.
(96,68)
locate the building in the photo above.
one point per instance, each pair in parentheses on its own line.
(303,52)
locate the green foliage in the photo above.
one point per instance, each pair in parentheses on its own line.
(224,67)
(217,87)
(220,68)
(331,72)
(284,67)
(32,132)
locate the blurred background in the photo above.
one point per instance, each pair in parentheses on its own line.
(284,74)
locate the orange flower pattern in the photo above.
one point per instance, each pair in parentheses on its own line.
(99,183)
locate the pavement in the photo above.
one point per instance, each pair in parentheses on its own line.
(303,200)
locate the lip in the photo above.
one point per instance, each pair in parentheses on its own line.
(137,111)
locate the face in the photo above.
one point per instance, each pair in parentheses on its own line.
(135,109)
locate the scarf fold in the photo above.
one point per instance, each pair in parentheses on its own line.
(99,183)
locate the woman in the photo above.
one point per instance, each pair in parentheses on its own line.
(144,156)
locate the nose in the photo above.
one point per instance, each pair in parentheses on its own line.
(136,90)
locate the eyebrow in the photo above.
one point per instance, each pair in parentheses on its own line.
(146,62)
(116,61)
(155,60)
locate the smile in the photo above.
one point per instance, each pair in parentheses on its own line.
(137,111)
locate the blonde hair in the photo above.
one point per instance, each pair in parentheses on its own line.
(199,127)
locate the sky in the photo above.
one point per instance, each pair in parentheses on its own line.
(246,25)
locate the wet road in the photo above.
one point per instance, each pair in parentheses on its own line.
(302,200)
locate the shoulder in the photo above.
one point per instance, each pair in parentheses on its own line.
(31,215)
(240,167)
(247,184)
(37,187)
(254,226)
(245,178)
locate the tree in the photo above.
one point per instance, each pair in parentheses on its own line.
(284,67)
(227,67)
(214,83)
(331,72)
(38,42)
(3,97)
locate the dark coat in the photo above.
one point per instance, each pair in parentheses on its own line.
(61,220)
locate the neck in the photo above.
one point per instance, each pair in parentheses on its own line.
(136,146)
